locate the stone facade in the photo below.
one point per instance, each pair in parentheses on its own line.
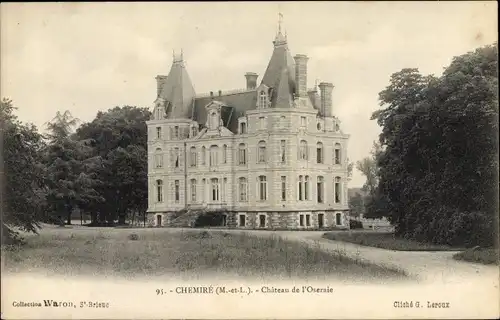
(270,156)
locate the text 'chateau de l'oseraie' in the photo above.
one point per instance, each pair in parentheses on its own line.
(270,156)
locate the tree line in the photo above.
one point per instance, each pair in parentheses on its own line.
(99,169)
(434,170)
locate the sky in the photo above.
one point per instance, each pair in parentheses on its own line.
(90,57)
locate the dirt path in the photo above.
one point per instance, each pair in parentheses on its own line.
(426,266)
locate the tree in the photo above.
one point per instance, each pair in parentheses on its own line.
(438,168)
(71,178)
(119,138)
(356,205)
(23,174)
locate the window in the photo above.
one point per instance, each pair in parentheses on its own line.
(158,158)
(202,190)
(262,123)
(203,156)
(214,151)
(319,187)
(282,122)
(301,220)
(303,122)
(224,153)
(193,156)
(176,157)
(158,113)
(242,220)
(301,188)
(262,188)
(193,190)
(308,220)
(262,220)
(159,190)
(337,153)
(318,126)
(243,128)
(319,152)
(177,195)
(337,190)
(242,154)
(263,99)
(215,189)
(176,132)
(303,150)
(243,187)
(214,120)
(158,132)
(283,188)
(338,219)
(194,132)
(306,188)
(262,151)
(283,151)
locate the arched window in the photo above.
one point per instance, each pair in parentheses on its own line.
(158,132)
(262,151)
(303,150)
(214,152)
(301,188)
(192,156)
(337,153)
(159,190)
(242,154)
(262,188)
(263,99)
(158,158)
(203,155)
(320,189)
(224,153)
(215,189)
(243,189)
(337,190)
(193,190)
(306,188)
(319,152)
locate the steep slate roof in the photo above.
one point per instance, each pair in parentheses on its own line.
(282,96)
(280,59)
(178,91)
(237,104)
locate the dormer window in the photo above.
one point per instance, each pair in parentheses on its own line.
(194,132)
(243,127)
(262,99)
(214,121)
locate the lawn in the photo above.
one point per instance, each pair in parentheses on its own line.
(386,240)
(153,252)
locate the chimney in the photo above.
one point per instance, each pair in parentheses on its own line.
(301,74)
(212,95)
(220,93)
(160,81)
(326,98)
(251,80)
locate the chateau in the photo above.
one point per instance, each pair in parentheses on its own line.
(271,155)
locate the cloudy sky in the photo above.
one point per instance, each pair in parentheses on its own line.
(86,57)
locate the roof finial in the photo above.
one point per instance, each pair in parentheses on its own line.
(280,21)
(182,54)
(173,54)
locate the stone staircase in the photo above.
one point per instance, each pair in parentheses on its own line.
(187,219)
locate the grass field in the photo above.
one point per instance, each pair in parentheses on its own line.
(386,240)
(192,253)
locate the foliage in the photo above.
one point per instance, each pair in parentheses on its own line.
(355,224)
(23,174)
(356,205)
(438,168)
(479,255)
(118,138)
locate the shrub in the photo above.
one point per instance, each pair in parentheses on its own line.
(133,236)
(355,224)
